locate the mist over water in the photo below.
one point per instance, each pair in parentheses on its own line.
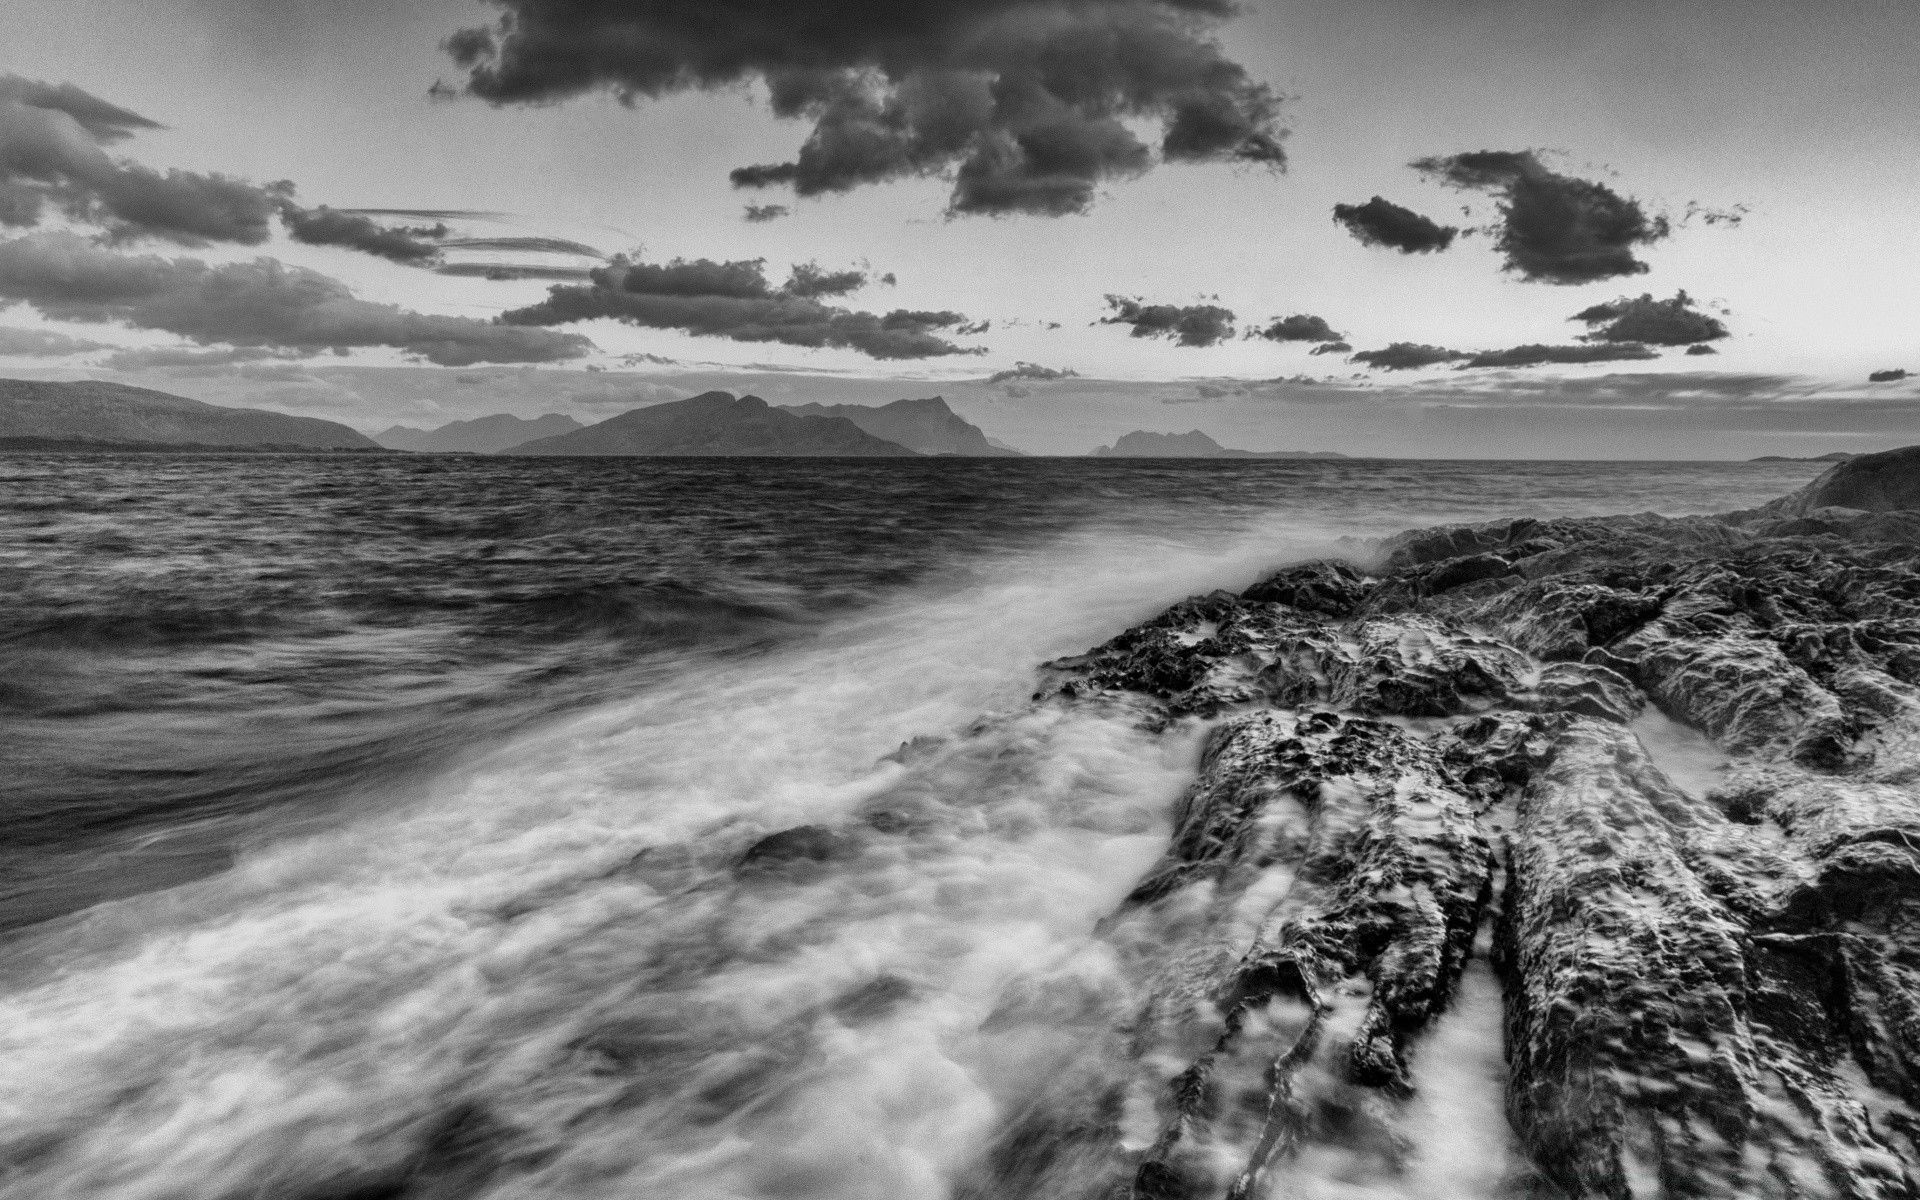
(397,827)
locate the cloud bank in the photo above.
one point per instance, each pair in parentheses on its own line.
(42,343)
(734,300)
(1025,104)
(1534,355)
(1407,356)
(263,303)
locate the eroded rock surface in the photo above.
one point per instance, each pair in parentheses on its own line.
(1708,993)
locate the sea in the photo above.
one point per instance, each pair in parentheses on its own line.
(377,826)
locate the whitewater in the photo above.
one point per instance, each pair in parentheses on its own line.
(353,894)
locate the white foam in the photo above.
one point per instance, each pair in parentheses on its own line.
(317,1010)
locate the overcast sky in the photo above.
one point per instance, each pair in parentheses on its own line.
(1132,190)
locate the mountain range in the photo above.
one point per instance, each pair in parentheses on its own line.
(927,426)
(717,423)
(482,435)
(1193,444)
(90,412)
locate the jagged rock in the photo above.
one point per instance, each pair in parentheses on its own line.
(1706,995)
(1327,586)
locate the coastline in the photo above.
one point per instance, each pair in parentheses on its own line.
(1436,747)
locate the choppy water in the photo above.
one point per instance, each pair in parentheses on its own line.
(374,827)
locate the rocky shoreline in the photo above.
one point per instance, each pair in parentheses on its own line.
(1705,995)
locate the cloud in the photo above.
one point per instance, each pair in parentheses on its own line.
(258,303)
(538,245)
(734,300)
(1331,348)
(49,157)
(1534,354)
(1380,222)
(1896,373)
(1027,370)
(42,343)
(1701,349)
(52,155)
(102,121)
(1730,217)
(762,213)
(428,214)
(1553,228)
(409,245)
(1405,356)
(499,271)
(184,360)
(1027,105)
(813,280)
(1674,322)
(1298,328)
(1189,325)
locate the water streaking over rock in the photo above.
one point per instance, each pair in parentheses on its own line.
(523,894)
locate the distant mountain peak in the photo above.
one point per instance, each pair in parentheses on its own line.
(1192,444)
(717,424)
(927,425)
(479,435)
(92,410)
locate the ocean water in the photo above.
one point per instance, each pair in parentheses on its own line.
(378,827)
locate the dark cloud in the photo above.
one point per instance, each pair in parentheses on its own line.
(533,245)
(1025,104)
(1188,325)
(1027,370)
(50,158)
(409,245)
(1534,355)
(1300,327)
(1553,228)
(499,271)
(1331,348)
(41,343)
(813,280)
(1887,376)
(1381,222)
(1701,349)
(102,121)
(1405,356)
(1673,322)
(258,303)
(761,213)
(734,300)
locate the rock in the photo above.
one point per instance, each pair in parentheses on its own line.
(1327,586)
(801,844)
(1706,995)
(1885,482)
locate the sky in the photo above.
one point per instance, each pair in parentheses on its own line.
(1164,209)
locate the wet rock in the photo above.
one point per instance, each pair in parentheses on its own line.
(1327,586)
(801,844)
(1708,995)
